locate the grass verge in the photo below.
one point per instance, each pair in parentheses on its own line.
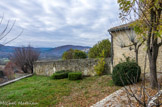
(43,91)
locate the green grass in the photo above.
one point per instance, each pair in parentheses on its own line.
(46,91)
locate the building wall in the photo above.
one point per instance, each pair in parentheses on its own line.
(118,51)
(86,66)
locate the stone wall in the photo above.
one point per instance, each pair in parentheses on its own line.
(118,51)
(86,66)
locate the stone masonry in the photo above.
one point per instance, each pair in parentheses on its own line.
(118,51)
(86,66)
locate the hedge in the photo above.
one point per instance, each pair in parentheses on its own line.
(75,75)
(60,74)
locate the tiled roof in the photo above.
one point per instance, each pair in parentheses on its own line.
(120,27)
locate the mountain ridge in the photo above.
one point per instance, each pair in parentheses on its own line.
(45,53)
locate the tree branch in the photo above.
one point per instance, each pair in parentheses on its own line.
(14,38)
(6,30)
(147,21)
(141,43)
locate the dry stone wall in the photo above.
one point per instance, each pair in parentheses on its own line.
(86,66)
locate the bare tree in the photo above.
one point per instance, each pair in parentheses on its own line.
(24,57)
(7,30)
(132,37)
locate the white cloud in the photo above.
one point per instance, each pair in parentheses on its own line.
(60,21)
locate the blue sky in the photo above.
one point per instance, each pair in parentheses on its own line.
(51,23)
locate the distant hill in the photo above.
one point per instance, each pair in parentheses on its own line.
(58,51)
(45,53)
(6,51)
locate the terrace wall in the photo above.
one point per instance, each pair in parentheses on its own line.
(86,66)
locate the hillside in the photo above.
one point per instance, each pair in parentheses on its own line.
(45,53)
(56,53)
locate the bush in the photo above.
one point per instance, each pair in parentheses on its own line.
(74,54)
(78,54)
(75,75)
(9,70)
(100,67)
(60,74)
(126,73)
(100,50)
(1,74)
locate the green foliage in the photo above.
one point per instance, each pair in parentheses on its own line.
(68,54)
(100,50)
(74,54)
(126,73)
(100,67)
(79,54)
(141,25)
(75,75)
(60,74)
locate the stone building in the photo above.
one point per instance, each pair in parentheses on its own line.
(121,33)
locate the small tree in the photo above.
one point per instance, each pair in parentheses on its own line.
(133,42)
(100,50)
(74,54)
(24,57)
(100,67)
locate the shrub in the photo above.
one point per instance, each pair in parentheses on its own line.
(126,73)
(74,54)
(9,70)
(78,54)
(100,50)
(100,67)
(60,74)
(75,75)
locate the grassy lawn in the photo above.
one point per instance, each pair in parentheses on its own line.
(43,91)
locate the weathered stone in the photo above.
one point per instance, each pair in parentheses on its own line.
(118,51)
(86,66)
